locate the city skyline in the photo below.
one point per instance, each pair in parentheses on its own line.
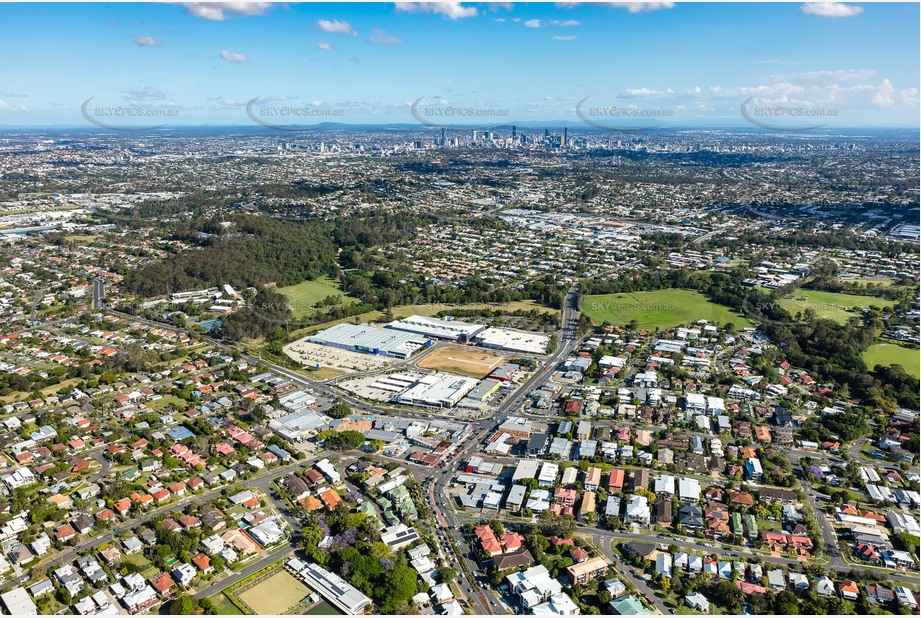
(465,64)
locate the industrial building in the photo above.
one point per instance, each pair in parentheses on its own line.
(439,390)
(299,426)
(436,328)
(371,340)
(526,469)
(513,340)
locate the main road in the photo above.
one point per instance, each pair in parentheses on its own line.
(439,478)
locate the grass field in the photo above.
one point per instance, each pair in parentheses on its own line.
(224,607)
(323,608)
(832,305)
(165,401)
(471,362)
(137,559)
(54,388)
(276,595)
(81,238)
(303,296)
(894,354)
(662,308)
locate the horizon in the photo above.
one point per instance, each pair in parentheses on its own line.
(297,129)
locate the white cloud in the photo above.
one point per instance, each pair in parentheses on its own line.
(326,46)
(565,38)
(830,76)
(909,97)
(632,7)
(218,11)
(7,107)
(335,26)
(145,94)
(532,23)
(147,41)
(567,23)
(831,9)
(451,8)
(379,36)
(884,94)
(229,104)
(641,7)
(777,61)
(644,93)
(232,57)
(776,90)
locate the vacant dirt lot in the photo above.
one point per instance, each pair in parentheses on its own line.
(471,362)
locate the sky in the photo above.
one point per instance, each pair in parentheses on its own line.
(663,63)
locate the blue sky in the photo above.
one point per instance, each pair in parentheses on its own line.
(535,62)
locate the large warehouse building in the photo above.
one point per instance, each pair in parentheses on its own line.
(439,390)
(371,340)
(512,340)
(436,328)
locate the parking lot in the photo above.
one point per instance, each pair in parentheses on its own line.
(313,354)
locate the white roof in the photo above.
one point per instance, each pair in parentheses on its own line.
(689,489)
(18,602)
(435,327)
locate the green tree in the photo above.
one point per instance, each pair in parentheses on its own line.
(182,605)
(727,594)
(397,589)
(446,574)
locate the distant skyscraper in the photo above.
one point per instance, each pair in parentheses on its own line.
(444,140)
(514,131)
(565,136)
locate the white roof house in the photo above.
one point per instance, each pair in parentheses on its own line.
(688,489)
(824,586)
(665,484)
(697,602)
(18,602)
(637,510)
(558,605)
(664,564)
